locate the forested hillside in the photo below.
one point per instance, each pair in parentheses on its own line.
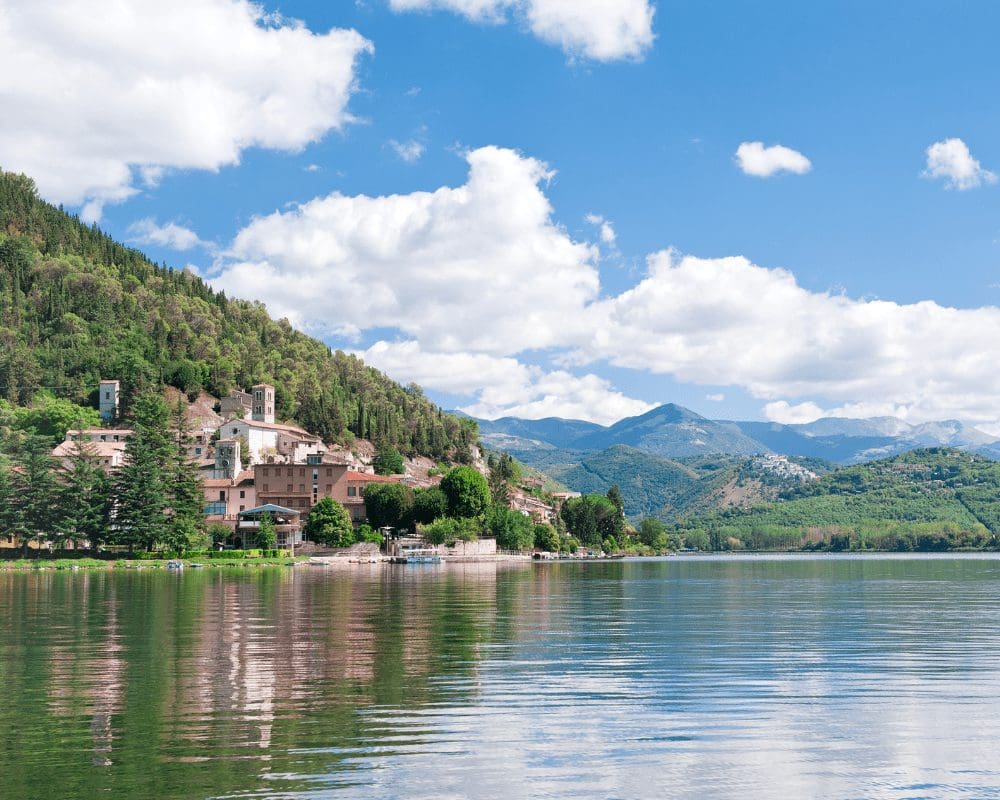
(76,306)
(931,499)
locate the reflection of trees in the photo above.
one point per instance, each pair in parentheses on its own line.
(150,674)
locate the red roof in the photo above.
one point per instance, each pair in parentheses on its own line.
(367,477)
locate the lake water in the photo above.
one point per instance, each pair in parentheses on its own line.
(748,677)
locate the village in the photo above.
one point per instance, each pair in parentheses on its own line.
(250,465)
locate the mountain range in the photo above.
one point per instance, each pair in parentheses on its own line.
(672,431)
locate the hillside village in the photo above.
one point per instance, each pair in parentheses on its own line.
(249,464)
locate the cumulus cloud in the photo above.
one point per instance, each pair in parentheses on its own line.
(602,30)
(481,284)
(97,100)
(727,321)
(172,235)
(503,386)
(605,228)
(951,161)
(409,151)
(763,162)
(480,267)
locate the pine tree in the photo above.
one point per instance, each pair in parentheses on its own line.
(183,485)
(83,499)
(140,490)
(34,490)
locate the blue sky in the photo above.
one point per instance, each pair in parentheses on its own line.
(860,286)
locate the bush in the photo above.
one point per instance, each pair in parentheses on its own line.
(547,538)
(448,530)
(512,529)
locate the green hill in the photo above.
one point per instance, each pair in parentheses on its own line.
(930,499)
(76,306)
(668,488)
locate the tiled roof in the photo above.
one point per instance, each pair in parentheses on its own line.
(369,477)
(100,449)
(272,426)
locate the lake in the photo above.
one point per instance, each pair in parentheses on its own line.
(749,677)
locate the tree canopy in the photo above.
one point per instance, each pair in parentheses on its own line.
(467,491)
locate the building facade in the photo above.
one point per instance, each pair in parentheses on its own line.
(301,486)
(109,400)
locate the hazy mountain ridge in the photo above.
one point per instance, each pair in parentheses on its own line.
(672,431)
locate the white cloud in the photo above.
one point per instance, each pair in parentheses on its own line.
(503,386)
(481,267)
(605,228)
(312,168)
(715,398)
(177,237)
(728,322)
(952,162)
(409,151)
(602,30)
(479,279)
(762,162)
(787,414)
(93,95)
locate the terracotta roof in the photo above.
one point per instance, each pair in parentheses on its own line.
(271,426)
(100,449)
(217,482)
(369,477)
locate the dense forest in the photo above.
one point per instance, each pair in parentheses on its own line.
(76,306)
(930,499)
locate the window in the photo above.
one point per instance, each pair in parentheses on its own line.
(290,472)
(352,491)
(235,431)
(243,508)
(329,472)
(267,488)
(222,495)
(302,487)
(302,472)
(329,488)
(243,494)
(197,450)
(289,488)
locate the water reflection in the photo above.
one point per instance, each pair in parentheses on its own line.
(761,677)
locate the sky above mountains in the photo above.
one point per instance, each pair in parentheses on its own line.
(776,210)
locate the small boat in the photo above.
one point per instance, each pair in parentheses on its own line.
(417,555)
(175,565)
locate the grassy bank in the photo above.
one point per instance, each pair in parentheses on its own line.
(61,564)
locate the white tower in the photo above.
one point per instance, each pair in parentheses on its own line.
(109,398)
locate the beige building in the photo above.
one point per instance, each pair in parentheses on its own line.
(107,445)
